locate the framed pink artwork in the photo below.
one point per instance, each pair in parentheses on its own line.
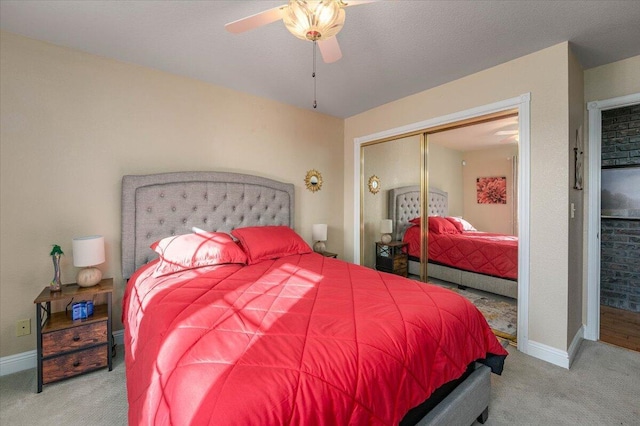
(491,190)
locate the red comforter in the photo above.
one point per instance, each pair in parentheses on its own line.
(482,252)
(303,339)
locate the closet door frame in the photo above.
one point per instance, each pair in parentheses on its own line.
(595,108)
(522,105)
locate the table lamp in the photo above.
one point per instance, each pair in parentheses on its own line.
(386,228)
(87,253)
(319,235)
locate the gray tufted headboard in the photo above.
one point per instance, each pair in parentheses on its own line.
(160,205)
(404,205)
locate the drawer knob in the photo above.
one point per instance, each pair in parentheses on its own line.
(76,338)
(76,363)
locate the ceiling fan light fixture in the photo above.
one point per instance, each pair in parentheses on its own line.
(314,20)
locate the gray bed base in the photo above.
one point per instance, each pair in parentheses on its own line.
(465,404)
(404,205)
(159,205)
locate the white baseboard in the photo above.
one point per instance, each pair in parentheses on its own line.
(26,360)
(18,362)
(556,356)
(575,344)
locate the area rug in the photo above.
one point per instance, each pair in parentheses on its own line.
(500,312)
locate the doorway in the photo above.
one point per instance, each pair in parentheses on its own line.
(592,329)
(619,214)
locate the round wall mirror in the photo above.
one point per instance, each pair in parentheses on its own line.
(313,180)
(374,184)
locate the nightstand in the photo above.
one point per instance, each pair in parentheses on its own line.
(390,257)
(67,348)
(329,254)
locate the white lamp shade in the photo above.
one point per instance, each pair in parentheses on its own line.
(386,226)
(319,232)
(88,251)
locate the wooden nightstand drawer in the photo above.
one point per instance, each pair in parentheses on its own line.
(74,338)
(400,262)
(75,363)
(392,263)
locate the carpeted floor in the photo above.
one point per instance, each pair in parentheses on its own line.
(601,388)
(501,312)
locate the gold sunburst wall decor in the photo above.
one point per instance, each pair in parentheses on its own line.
(313,180)
(374,184)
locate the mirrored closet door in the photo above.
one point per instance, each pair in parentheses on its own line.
(448,161)
(386,165)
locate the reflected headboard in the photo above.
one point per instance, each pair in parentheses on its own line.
(404,205)
(160,205)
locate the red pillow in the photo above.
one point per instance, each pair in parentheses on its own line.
(270,242)
(455,223)
(440,225)
(190,251)
(415,221)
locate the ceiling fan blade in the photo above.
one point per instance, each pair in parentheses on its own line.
(358,2)
(330,50)
(255,21)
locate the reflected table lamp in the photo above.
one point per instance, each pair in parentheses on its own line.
(87,253)
(319,235)
(386,228)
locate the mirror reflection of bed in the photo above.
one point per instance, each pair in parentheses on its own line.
(456,159)
(482,266)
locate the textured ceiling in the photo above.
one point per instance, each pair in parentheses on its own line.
(391,49)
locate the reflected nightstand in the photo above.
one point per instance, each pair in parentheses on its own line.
(329,254)
(390,257)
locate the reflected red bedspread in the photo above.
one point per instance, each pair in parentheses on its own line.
(482,252)
(300,340)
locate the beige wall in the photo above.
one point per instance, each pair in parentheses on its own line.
(73,124)
(612,80)
(489,162)
(444,166)
(576,198)
(396,163)
(544,75)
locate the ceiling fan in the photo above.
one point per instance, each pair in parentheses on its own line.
(512,136)
(318,21)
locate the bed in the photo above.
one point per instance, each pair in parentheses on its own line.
(484,261)
(283,335)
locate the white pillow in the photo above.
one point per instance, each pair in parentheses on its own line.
(466,226)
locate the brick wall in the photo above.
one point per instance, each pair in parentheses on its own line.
(620,239)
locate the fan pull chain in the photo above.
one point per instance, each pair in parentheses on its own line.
(315,104)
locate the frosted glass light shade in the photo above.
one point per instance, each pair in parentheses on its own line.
(88,252)
(314,20)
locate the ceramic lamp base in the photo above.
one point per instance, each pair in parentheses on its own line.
(386,238)
(88,277)
(319,247)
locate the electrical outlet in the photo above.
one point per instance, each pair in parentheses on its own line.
(23,327)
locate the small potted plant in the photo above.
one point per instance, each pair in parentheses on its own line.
(55,254)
